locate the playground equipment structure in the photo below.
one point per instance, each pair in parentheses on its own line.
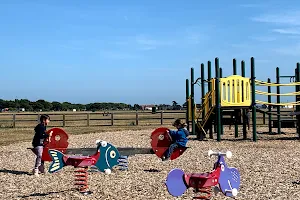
(104,157)
(160,142)
(232,96)
(228,179)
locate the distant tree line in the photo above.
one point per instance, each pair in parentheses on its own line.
(43,105)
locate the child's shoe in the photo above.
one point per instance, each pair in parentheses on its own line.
(35,172)
(164,158)
(42,169)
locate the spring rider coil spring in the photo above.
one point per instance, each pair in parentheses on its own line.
(205,191)
(81,176)
(123,163)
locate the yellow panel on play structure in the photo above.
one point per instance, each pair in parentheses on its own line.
(235,91)
(190,108)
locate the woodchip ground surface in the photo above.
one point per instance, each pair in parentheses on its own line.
(269,168)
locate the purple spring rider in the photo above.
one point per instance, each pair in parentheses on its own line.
(223,178)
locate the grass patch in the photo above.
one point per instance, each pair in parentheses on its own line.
(11,136)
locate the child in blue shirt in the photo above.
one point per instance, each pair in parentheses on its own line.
(179,138)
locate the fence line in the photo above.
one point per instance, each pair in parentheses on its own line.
(111,118)
(68,119)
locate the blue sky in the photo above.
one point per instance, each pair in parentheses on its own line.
(138,51)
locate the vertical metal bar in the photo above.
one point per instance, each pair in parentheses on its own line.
(203,90)
(270,106)
(298,99)
(278,101)
(193,102)
(187,96)
(221,112)
(244,97)
(253,99)
(211,136)
(236,127)
(218,105)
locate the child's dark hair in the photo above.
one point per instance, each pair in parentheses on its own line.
(178,122)
(44,117)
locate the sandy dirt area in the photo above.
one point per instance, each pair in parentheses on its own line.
(269,169)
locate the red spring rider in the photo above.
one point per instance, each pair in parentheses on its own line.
(161,141)
(59,141)
(228,179)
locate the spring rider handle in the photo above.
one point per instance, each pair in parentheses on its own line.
(211,153)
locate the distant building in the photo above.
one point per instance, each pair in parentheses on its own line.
(147,107)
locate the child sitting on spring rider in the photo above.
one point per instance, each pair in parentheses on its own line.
(179,138)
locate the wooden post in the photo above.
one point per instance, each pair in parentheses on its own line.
(88,119)
(112,119)
(64,120)
(14,120)
(137,118)
(38,118)
(161,117)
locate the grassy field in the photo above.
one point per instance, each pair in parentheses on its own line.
(76,122)
(120,118)
(10,135)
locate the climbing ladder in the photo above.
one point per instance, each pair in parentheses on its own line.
(208,107)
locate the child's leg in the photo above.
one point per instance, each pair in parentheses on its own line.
(170,150)
(39,153)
